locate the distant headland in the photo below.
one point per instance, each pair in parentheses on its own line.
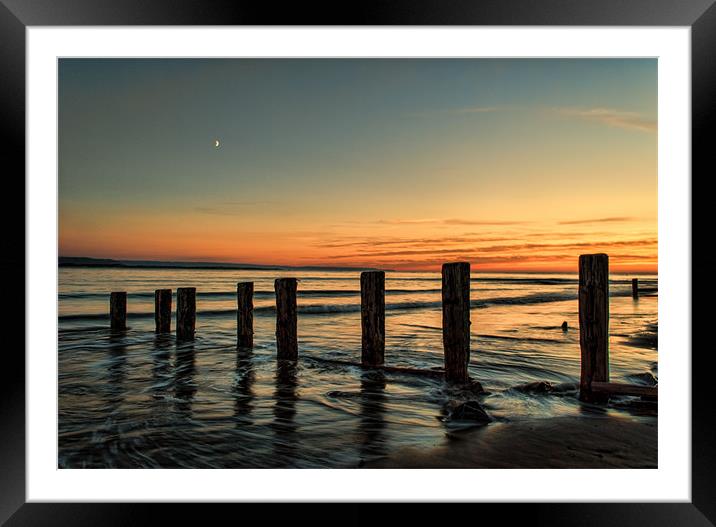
(84,261)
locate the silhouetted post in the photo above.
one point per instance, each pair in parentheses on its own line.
(162,310)
(635,288)
(456,320)
(186,313)
(593,321)
(286,322)
(245,314)
(372,315)
(118,310)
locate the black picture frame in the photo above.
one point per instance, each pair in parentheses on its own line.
(16,15)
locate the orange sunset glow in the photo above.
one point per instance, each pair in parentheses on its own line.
(357,263)
(511,165)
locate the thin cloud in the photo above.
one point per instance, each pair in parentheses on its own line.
(611,117)
(229,208)
(408,242)
(614,219)
(467,110)
(417,221)
(555,259)
(479,222)
(543,248)
(476,109)
(449,221)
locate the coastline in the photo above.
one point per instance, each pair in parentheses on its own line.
(133,400)
(571,441)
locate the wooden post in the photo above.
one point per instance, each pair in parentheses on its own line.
(593,321)
(186,313)
(635,288)
(372,315)
(118,310)
(456,320)
(286,320)
(245,314)
(162,310)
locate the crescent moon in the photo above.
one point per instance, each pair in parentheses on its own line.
(216,143)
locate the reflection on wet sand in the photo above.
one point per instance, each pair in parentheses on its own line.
(284,411)
(108,439)
(184,383)
(243,387)
(230,418)
(161,356)
(116,370)
(372,410)
(592,409)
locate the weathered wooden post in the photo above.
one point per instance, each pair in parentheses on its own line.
(118,310)
(245,314)
(162,310)
(593,321)
(372,316)
(635,288)
(286,320)
(456,320)
(186,313)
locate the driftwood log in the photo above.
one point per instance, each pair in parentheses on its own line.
(613,388)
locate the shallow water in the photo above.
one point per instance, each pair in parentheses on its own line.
(139,400)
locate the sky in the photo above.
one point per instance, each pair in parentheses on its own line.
(511,164)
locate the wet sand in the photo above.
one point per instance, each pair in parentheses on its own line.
(561,442)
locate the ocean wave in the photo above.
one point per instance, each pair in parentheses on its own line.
(522,339)
(646,286)
(228,295)
(325,309)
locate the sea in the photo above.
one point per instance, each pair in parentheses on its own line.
(140,400)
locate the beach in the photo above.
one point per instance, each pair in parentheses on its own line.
(560,442)
(141,400)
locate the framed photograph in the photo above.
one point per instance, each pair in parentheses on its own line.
(425,255)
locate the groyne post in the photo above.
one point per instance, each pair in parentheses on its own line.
(162,310)
(245,314)
(456,320)
(118,310)
(635,288)
(593,321)
(372,315)
(286,319)
(186,313)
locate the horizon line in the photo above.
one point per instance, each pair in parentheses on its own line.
(92,261)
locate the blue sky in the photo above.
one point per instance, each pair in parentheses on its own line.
(329,146)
